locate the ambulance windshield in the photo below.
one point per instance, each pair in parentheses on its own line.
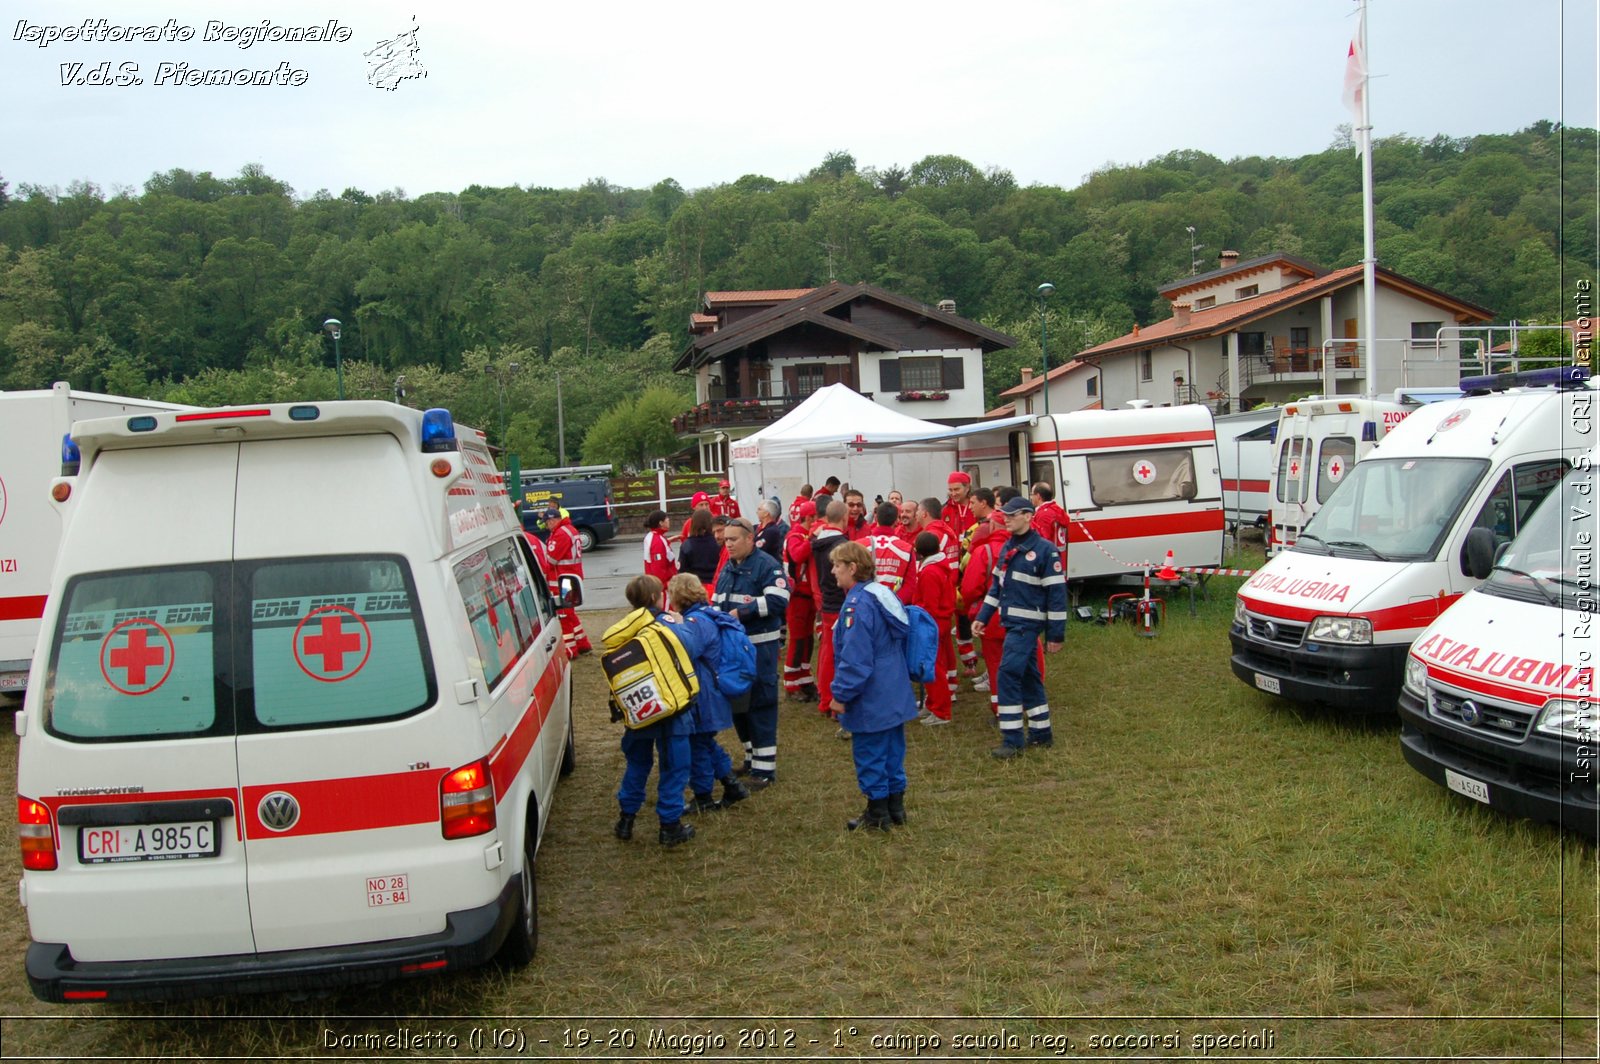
(1552,558)
(1398,509)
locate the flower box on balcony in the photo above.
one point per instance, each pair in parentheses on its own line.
(923,397)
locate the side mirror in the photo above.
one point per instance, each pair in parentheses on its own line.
(571,591)
(1478,554)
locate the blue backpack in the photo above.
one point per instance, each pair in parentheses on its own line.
(922,645)
(735,656)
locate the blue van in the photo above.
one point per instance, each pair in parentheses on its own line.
(583,491)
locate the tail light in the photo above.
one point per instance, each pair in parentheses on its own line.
(36,835)
(466,801)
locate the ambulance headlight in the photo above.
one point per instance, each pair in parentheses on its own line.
(1569,718)
(1355,630)
(1241,617)
(1416,681)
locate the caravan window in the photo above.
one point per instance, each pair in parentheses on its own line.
(1142,476)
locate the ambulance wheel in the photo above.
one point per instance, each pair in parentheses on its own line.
(586,540)
(523,941)
(569,755)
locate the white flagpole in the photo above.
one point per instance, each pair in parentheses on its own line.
(1369,283)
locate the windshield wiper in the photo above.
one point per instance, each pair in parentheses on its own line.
(1356,544)
(1538,582)
(1302,537)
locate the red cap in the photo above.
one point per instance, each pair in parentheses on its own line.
(724,484)
(698,500)
(959,477)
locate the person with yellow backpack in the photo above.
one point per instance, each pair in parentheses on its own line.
(645,664)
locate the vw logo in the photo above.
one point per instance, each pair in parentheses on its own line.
(1471,713)
(1270,630)
(279,811)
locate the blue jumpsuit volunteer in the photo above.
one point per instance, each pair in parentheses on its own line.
(872,691)
(753,588)
(1028,589)
(667,739)
(709,763)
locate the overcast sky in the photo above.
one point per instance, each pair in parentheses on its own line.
(704,91)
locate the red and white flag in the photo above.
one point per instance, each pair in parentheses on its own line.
(1355,68)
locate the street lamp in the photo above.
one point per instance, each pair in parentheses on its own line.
(1044,351)
(332,327)
(500,377)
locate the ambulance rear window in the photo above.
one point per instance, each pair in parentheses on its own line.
(335,640)
(133,658)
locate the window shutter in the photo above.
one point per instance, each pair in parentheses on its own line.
(889,374)
(791,382)
(955,373)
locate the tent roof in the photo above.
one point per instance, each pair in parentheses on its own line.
(838,414)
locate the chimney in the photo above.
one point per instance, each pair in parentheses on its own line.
(1229,259)
(1180,314)
(1027,374)
(1136,328)
(947,306)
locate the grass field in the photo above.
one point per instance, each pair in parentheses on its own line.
(1193,860)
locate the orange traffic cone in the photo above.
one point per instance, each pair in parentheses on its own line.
(1167,572)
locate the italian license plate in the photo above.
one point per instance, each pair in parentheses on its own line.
(1269,684)
(1474,789)
(147,842)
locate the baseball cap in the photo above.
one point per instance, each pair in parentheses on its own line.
(724,484)
(1019,505)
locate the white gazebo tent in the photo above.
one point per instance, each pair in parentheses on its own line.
(830,434)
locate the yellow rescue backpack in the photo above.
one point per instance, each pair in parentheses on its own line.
(648,669)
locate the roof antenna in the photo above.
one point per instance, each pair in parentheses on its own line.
(831,249)
(1194,251)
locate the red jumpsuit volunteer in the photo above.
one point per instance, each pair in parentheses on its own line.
(957,510)
(802,611)
(660,559)
(829,595)
(928,520)
(892,555)
(987,538)
(936,593)
(722,504)
(567,555)
(1049,519)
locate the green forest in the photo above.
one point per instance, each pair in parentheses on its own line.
(211,290)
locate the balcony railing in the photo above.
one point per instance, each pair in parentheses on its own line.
(736,413)
(1293,363)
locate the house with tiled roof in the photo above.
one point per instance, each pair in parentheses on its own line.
(757,355)
(1266,329)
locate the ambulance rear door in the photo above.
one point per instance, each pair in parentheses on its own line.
(342,742)
(130,735)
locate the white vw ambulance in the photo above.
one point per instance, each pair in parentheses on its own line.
(1498,700)
(1329,620)
(297,711)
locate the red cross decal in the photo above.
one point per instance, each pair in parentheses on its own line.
(1294,469)
(860,441)
(137,656)
(1335,469)
(333,644)
(1145,471)
(329,641)
(139,659)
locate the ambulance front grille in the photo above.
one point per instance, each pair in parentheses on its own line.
(1503,720)
(1279,633)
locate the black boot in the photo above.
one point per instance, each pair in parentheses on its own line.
(676,832)
(624,828)
(874,818)
(897,807)
(704,803)
(733,791)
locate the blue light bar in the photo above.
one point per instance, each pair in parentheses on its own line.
(1553,377)
(71,457)
(304,413)
(142,423)
(1369,432)
(438,431)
